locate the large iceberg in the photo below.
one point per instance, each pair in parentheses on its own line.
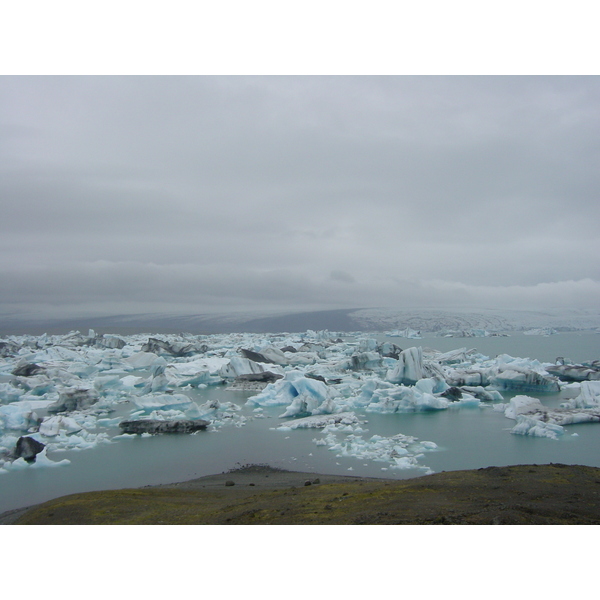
(243,366)
(302,395)
(535,419)
(409,368)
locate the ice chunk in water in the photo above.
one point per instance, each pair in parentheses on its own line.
(51,426)
(301,394)
(522,405)
(319,421)
(525,381)
(154,401)
(18,416)
(589,396)
(409,368)
(527,425)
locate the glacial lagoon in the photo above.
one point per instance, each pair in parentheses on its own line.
(401,441)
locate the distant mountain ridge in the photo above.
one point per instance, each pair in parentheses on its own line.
(340,320)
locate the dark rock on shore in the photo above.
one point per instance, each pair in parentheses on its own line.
(155,426)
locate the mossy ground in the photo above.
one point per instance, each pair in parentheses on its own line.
(524,494)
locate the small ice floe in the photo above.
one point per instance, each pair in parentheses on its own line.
(153,400)
(400,451)
(41,462)
(320,421)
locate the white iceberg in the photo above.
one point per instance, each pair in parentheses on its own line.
(51,426)
(320,421)
(143,360)
(154,401)
(401,398)
(520,405)
(527,425)
(409,368)
(589,396)
(18,416)
(533,418)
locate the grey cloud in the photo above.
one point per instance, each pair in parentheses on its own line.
(342,276)
(255,191)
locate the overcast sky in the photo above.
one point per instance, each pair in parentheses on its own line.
(201,194)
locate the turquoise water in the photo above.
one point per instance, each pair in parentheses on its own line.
(467,438)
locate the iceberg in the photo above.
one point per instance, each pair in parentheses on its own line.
(18,416)
(51,426)
(533,418)
(401,398)
(524,381)
(365,361)
(541,331)
(589,396)
(483,394)
(575,372)
(74,399)
(176,348)
(405,333)
(242,366)
(143,360)
(153,401)
(302,395)
(409,368)
(9,393)
(522,405)
(534,427)
(268,354)
(320,421)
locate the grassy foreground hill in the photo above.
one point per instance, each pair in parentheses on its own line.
(261,495)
